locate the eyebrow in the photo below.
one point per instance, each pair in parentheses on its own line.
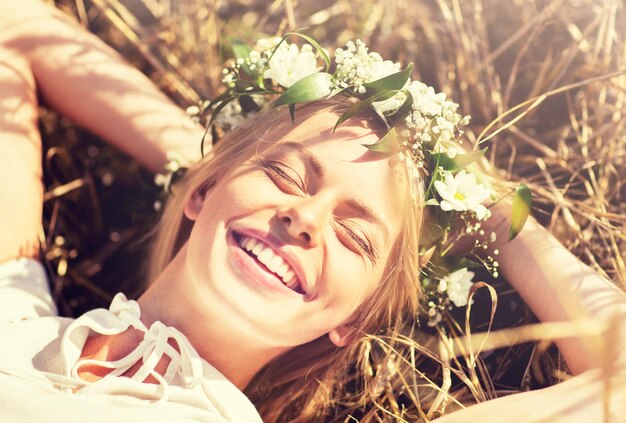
(306,156)
(315,165)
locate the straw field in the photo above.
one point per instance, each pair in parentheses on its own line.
(544,82)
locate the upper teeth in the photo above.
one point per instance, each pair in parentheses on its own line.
(269,258)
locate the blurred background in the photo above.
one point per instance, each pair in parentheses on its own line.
(544,73)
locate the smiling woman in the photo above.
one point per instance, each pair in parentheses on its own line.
(318,201)
(282,253)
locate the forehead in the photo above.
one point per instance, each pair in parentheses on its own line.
(342,162)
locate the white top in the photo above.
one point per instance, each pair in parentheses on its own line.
(39,353)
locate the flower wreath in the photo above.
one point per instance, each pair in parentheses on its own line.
(425,125)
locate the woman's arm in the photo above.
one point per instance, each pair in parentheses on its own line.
(585,398)
(21,191)
(557,286)
(41,51)
(82,78)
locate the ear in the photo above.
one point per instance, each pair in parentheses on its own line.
(342,335)
(194,204)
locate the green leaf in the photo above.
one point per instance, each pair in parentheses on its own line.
(431,232)
(243,86)
(218,109)
(223,96)
(311,87)
(357,108)
(292,112)
(395,81)
(435,176)
(465,262)
(214,114)
(459,161)
(248,104)
(387,144)
(403,111)
(253,92)
(240,50)
(522,200)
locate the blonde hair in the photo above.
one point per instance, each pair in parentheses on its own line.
(313,380)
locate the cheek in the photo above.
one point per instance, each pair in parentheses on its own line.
(351,280)
(234,198)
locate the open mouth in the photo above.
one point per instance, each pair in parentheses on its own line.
(269,260)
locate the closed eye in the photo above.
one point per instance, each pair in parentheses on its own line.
(281,175)
(356,242)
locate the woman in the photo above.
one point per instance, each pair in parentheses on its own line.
(335,213)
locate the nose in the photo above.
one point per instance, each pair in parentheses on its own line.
(304,220)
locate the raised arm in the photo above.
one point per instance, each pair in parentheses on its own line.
(558,287)
(82,78)
(43,52)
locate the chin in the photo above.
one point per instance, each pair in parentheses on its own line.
(235,291)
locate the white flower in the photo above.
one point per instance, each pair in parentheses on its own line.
(267,44)
(231,116)
(193,110)
(463,193)
(290,64)
(443,286)
(357,66)
(458,285)
(452,151)
(434,317)
(379,70)
(434,118)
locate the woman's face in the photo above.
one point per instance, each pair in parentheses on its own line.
(291,243)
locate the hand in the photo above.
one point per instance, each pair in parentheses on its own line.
(84,79)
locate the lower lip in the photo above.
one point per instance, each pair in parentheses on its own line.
(252,273)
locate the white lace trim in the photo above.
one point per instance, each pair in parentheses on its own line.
(185,366)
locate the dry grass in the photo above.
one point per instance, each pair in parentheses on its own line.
(499,60)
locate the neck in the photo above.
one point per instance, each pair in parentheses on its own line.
(234,355)
(239,361)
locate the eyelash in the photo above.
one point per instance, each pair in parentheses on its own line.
(362,244)
(277,168)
